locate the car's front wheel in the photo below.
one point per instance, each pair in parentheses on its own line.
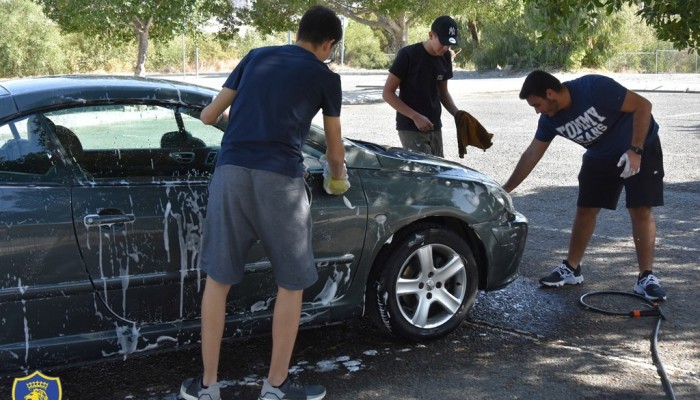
(426,285)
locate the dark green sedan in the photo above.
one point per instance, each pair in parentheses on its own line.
(103,192)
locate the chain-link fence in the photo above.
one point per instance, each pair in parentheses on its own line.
(654,62)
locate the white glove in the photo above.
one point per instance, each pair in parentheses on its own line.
(331,185)
(627,171)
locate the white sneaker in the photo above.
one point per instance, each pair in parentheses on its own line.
(650,287)
(562,275)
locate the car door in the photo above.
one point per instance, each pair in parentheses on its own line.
(139,215)
(139,205)
(339,228)
(43,285)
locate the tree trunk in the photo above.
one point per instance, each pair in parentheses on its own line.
(474,32)
(396,29)
(398,32)
(142,31)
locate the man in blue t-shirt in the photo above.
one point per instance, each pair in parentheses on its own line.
(620,134)
(258,191)
(420,72)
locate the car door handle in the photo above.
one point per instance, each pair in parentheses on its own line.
(183,157)
(109,219)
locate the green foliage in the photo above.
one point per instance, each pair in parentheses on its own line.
(252,38)
(657,57)
(674,21)
(362,48)
(129,21)
(392,17)
(617,33)
(504,40)
(269,16)
(418,32)
(511,32)
(116,19)
(214,55)
(227,18)
(90,54)
(515,36)
(31,45)
(201,52)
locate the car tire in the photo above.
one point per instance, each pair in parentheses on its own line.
(425,285)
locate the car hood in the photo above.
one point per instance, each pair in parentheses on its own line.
(368,155)
(398,159)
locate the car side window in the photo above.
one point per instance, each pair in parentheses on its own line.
(138,141)
(26,151)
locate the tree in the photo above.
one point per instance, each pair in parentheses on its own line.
(674,21)
(31,45)
(393,17)
(125,20)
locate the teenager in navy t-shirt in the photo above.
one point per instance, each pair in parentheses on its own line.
(623,150)
(266,132)
(258,191)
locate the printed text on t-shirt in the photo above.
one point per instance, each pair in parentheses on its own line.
(584,129)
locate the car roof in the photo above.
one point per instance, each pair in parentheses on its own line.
(21,96)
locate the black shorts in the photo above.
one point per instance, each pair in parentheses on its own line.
(600,184)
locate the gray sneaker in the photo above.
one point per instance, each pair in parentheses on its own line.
(292,390)
(192,389)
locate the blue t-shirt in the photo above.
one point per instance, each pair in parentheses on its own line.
(594,120)
(279,90)
(420,73)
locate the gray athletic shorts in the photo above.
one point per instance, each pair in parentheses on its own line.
(246,205)
(423,142)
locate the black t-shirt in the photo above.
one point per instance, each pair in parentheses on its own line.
(419,73)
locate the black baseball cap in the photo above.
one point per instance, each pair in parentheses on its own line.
(446,30)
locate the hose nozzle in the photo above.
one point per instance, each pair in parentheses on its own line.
(654,312)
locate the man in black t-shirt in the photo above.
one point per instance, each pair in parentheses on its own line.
(420,72)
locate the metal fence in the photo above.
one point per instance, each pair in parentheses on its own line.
(654,62)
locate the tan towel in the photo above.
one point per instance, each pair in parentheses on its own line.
(470,132)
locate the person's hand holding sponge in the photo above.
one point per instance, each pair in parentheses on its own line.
(331,184)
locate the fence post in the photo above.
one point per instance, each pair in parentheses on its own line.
(657,62)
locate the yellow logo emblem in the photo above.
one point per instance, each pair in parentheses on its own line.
(37,386)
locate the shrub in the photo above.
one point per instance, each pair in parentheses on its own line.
(31,44)
(362,48)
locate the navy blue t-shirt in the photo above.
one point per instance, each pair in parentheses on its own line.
(279,90)
(420,73)
(594,120)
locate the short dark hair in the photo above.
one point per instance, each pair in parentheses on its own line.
(318,25)
(536,84)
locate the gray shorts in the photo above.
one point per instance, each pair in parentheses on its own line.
(423,142)
(247,205)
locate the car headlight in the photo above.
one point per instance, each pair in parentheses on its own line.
(502,197)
